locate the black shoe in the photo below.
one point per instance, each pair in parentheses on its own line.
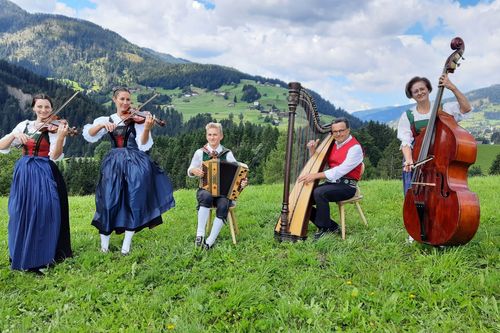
(326,231)
(207,246)
(199,241)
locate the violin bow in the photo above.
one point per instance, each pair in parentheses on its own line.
(53,114)
(138,109)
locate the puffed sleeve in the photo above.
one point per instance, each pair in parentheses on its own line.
(53,139)
(139,129)
(100,134)
(453,108)
(18,129)
(404,131)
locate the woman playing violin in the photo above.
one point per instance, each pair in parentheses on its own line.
(132,191)
(38,202)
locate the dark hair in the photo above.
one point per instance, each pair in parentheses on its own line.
(341,120)
(118,90)
(415,80)
(40,96)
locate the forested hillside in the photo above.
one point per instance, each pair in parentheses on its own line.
(98,59)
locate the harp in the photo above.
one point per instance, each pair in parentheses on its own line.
(297,202)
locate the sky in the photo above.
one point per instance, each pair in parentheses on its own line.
(357,54)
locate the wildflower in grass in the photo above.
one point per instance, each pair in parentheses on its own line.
(348,282)
(355,292)
(412,296)
(170,327)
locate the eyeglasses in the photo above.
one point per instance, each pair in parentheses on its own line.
(339,131)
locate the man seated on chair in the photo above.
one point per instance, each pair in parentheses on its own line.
(345,165)
(213,149)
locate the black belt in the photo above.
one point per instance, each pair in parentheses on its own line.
(347,181)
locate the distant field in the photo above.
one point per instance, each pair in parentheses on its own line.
(221,108)
(486,154)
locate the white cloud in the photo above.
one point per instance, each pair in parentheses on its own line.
(363,43)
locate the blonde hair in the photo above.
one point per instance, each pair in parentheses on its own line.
(214,125)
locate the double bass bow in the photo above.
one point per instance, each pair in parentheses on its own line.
(439,209)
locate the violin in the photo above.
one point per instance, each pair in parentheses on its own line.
(139,117)
(52,126)
(439,208)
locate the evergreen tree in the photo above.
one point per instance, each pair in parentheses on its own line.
(495,166)
(389,166)
(275,163)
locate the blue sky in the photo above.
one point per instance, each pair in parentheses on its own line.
(358,54)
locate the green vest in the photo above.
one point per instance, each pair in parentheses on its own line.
(222,155)
(416,126)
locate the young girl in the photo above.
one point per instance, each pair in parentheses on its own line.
(133,191)
(38,201)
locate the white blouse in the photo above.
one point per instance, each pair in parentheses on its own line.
(139,129)
(404,129)
(31,129)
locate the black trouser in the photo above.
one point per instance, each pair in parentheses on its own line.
(323,195)
(205,199)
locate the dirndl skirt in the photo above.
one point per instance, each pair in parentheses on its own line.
(132,192)
(34,214)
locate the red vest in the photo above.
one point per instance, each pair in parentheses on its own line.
(39,145)
(337,157)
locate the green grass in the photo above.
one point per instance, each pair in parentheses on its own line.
(486,154)
(371,282)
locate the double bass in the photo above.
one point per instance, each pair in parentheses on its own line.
(439,209)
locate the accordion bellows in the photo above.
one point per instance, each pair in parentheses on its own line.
(222,178)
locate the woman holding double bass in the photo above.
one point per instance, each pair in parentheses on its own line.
(439,209)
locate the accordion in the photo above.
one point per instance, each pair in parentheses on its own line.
(222,178)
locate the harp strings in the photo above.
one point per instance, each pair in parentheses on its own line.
(307,127)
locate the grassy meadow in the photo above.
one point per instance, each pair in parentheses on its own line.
(486,154)
(371,282)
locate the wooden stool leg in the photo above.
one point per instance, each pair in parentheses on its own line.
(361,213)
(209,222)
(231,228)
(342,219)
(235,224)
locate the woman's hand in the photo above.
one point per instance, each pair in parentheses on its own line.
(62,129)
(110,127)
(21,137)
(408,165)
(444,81)
(149,122)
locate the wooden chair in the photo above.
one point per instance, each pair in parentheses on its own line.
(231,219)
(354,200)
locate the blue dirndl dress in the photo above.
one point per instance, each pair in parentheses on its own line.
(133,191)
(37,214)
